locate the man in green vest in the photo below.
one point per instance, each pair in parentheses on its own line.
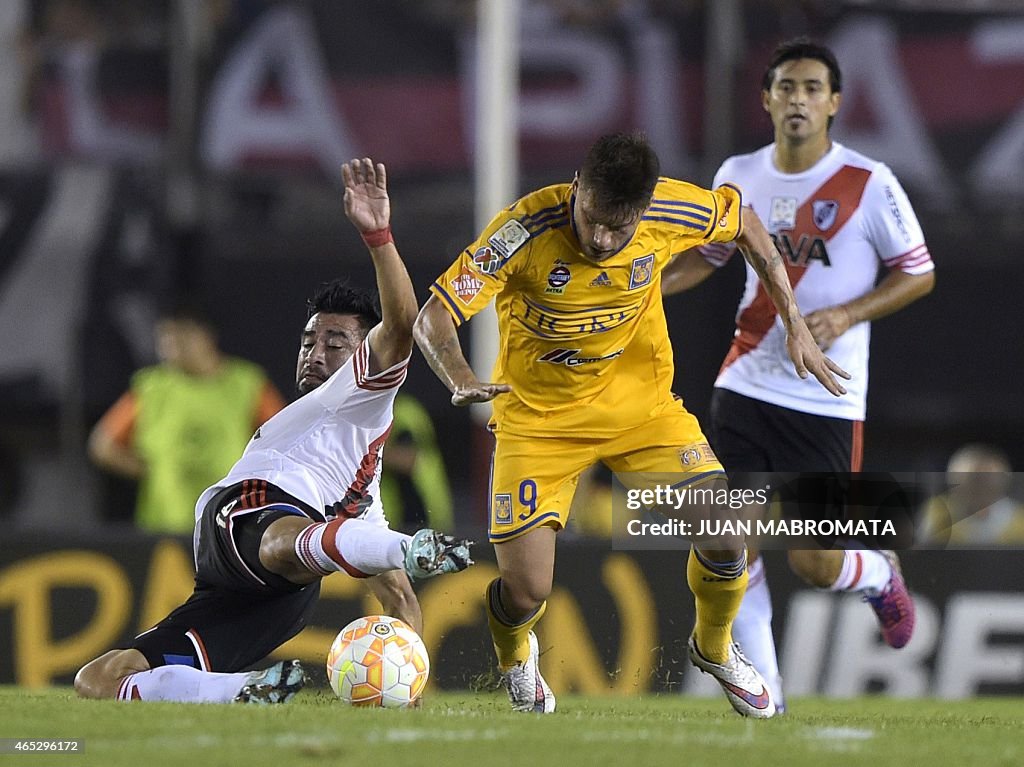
(183,422)
(414,484)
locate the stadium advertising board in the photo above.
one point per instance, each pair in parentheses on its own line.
(617,622)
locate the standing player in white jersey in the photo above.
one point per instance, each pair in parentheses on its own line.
(839,218)
(301,503)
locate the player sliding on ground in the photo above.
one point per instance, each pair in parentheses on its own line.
(301,503)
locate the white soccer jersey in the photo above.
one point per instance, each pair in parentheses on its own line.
(325,447)
(835,225)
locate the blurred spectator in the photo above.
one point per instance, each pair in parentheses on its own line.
(977,508)
(183,422)
(414,484)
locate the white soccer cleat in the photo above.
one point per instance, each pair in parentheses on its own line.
(277,684)
(742,683)
(429,553)
(527,690)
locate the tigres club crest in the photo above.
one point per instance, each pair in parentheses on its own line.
(642,271)
(695,455)
(502,508)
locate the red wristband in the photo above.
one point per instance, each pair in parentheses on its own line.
(377,237)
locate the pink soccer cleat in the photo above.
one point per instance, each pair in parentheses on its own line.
(894,606)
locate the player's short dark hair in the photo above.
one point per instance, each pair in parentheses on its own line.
(803,48)
(338,297)
(621,170)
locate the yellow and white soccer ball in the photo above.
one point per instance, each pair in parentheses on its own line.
(378,661)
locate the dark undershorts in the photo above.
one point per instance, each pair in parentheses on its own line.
(750,435)
(239,612)
(807,458)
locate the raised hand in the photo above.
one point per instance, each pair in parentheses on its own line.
(367,204)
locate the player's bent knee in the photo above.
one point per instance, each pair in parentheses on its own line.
(91,680)
(99,678)
(526,596)
(276,553)
(277,550)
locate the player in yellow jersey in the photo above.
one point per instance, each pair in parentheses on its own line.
(584,374)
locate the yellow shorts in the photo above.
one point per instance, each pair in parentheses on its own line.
(533,479)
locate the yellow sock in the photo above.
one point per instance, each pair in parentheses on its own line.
(718,597)
(510,639)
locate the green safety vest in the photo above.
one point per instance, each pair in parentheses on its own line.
(190,430)
(428,474)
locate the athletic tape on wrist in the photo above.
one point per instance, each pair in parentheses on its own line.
(378,237)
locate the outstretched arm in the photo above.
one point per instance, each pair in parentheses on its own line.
(369,209)
(764,258)
(438,340)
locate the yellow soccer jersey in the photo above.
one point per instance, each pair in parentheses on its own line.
(584,345)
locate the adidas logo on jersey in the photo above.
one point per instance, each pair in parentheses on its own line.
(601,281)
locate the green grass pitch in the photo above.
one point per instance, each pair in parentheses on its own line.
(477,730)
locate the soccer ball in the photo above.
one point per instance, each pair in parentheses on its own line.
(378,661)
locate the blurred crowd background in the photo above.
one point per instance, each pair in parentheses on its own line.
(156,151)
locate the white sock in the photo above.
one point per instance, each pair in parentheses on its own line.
(354,546)
(866,570)
(752,629)
(371,548)
(182,684)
